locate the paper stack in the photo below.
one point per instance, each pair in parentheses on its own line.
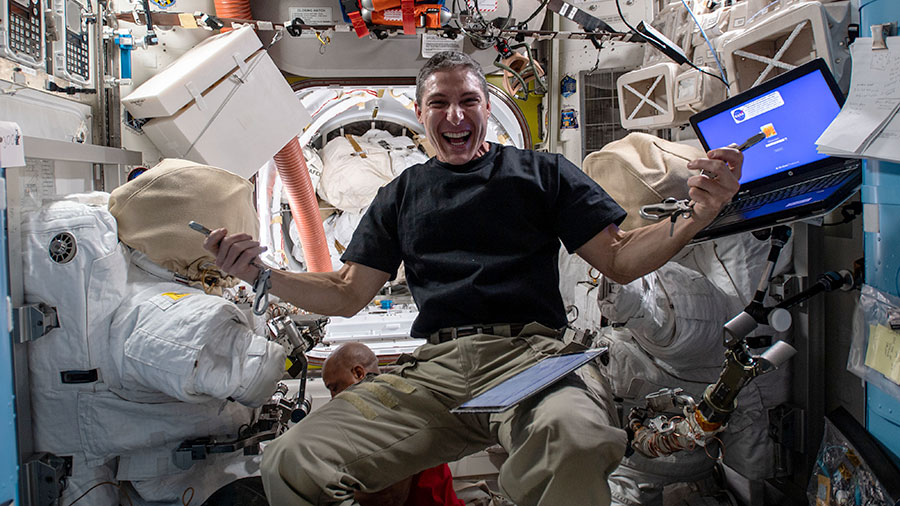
(868,125)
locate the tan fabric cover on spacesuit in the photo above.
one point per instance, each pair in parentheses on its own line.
(641,169)
(153,211)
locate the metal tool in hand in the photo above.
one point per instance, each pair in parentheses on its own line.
(670,208)
(744,146)
(262,284)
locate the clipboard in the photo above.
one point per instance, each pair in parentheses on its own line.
(523,385)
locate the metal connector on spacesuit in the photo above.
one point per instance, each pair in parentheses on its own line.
(297,334)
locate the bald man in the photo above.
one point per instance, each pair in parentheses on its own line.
(347,366)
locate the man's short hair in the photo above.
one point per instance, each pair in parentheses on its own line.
(352,354)
(447,60)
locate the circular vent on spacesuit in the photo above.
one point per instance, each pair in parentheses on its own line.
(62,248)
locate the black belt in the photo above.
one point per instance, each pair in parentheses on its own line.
(499,329)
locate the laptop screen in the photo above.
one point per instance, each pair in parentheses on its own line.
(792,110)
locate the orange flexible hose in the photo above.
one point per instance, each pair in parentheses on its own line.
(235,9)
(304,207)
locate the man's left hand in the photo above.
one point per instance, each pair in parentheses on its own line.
(717,182)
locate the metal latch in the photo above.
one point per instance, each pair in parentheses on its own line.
(46,478)
(880,33)
(785,286)
(33,321)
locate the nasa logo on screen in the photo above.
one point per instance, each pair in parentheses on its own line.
(738,114)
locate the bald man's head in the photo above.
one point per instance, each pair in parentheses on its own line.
(347,366)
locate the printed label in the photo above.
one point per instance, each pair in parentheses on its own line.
(759,106)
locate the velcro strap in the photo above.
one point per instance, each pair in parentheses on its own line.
(408,12)
(397,382)
(358,403)
(358,24)
(384,395)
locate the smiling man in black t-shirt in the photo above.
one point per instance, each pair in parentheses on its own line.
(478,227)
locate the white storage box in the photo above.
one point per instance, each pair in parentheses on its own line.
(798,34)
(223,103)
(647,98)
(696,91)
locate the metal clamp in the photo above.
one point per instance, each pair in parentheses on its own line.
(33,321)
(880,33)
(667,208)
(45,478)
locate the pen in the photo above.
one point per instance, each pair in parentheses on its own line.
(747,144)
(205,231)
(199,228)
(752,141)
(262,284)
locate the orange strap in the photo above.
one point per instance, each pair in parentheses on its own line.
(408,11)
(358,24)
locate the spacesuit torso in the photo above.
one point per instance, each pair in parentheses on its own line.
(166,356)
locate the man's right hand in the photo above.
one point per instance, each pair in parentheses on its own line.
(235,254)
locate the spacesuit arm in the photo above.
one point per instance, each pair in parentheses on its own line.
(238,364)
(194,347)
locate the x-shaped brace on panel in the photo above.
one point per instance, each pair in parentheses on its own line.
(645,98)
(775,61)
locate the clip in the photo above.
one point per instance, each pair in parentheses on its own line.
(295,28)
(665,209)
(880,33)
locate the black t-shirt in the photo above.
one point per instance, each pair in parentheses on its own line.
(480,241)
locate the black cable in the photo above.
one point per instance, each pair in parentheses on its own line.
(535,13)
(648,36)
(709,74)
(849,213)
(619,9)
(151,39)
(68,90)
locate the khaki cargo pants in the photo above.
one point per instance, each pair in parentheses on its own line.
(562,443)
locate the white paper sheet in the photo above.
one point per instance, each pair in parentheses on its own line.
(866,123)
(12,153)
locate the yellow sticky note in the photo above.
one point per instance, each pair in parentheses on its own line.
(883,352)
(187,20)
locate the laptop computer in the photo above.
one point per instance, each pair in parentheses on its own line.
(784,178)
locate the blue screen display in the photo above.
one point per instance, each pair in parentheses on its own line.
(792,116)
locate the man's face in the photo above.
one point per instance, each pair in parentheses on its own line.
(337,378)
(454,112)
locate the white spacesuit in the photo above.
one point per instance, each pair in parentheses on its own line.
(664,330)
(144,357)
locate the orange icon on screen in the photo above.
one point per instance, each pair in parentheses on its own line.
(768,130)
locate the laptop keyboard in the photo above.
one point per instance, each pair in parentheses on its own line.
(787,192)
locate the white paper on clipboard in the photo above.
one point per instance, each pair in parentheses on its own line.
(536,378)
(868,125)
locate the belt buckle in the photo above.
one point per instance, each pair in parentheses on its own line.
(466,331)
